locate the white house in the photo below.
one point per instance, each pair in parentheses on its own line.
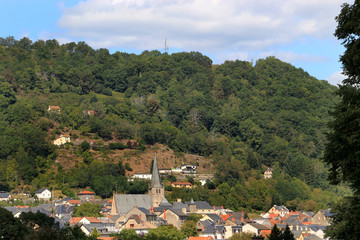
(268,173)
(144,176)
(64,138)
(254,228)
(5,196)
(43,194)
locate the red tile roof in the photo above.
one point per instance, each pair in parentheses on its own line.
(74,201)
(200,238)
(265,233)
(54,107)
(74,220)
(224,217)
(93,219)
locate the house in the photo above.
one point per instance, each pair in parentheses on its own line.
(322,217)
(123,203)
(209,229)
(86,196)
(143,213)
(268,173)
(181,185)
(91,112)
(145,176)
(254,228)
(165,171)
(281,210)
(5,196)
(141,227)
(64,138)
(188,169)
(43,194)
(176,217)
(55,109)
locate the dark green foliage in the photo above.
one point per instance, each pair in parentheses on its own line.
(287,234)
(117,145)
(127,234)
(342,149)
(35,226)
(165,232)
(348,31)
(275,234)
(87,210)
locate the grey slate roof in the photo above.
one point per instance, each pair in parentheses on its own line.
(215,218)
(165,203)
(178,212)
(259,226)
(126,202)
(310,214)
(208,226)
(4,194)
(13,210)
(312,237)
(327,213)
(147,212)
(40,190)
(155,180)
(180,205)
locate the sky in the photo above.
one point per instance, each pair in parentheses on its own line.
(300,32)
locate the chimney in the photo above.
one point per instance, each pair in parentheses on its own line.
(152,209)
(140,216)
(184,210)
(178,200)
(164,215)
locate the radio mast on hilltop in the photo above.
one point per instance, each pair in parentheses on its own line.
(166,47)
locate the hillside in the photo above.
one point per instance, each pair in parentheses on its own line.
(238,117)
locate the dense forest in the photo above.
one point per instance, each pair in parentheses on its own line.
(244,116)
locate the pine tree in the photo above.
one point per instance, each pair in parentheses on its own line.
(287,234)
(275,234)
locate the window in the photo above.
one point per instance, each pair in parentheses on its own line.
(132,225)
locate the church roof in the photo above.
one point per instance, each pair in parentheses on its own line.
(165,203)
(156,181)
(126,202)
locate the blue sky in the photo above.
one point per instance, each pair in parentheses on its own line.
(296,31)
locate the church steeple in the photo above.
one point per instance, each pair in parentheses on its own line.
(157,189)
(155,179)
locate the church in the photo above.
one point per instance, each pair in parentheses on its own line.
(123,203)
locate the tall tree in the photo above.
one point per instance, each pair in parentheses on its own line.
(275,234)
(342,150)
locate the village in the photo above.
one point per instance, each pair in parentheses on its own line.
(143,212)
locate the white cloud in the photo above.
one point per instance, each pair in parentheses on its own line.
(336,78)
(203,25)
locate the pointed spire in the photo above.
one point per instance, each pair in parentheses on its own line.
(192,201)
(155,180)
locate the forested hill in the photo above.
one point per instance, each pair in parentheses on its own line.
(243,115)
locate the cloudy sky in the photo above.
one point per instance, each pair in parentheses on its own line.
(296,31)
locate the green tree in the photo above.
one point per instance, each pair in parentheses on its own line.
(165,232)
(275,234)
(127,234)
(241,236)
(87,210)
(287,234)
(341,152)
(189,229)
(95,233)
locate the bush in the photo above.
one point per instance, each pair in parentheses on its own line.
(118,146)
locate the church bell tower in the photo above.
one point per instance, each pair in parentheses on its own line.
(157,190)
